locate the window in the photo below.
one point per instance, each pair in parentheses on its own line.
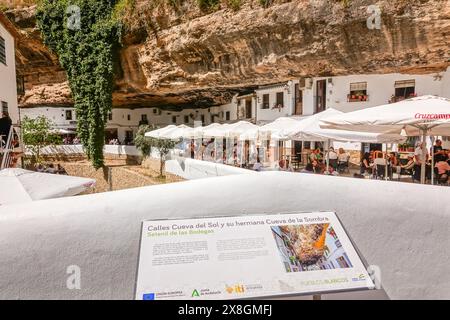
(227,115)
(280,100)
(68,114)
(174,119)
(144,120)
(128,117)
(265,104)
(405,89)
(202,118)
(2,51)
(186,119)
(155,110)
(358,92)
(4,107)
(20,85)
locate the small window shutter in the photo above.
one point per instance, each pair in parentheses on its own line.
(358,86)
(405,83)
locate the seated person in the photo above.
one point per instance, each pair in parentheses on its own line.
(365,164)
(257,166)
(317,168)
(343,158)
(51,168)
(443,169)
(312,156)
(308,169)
(408,167)
(393,160)
(379,161)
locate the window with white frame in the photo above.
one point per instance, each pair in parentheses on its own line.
(358,92)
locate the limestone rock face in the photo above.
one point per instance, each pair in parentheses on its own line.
(176,57)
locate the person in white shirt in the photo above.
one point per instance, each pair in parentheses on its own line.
(419,158)
(419,154)
(332,157)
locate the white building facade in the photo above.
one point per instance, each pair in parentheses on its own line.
(295,98)
(356,92)
(124,122)
(8,84)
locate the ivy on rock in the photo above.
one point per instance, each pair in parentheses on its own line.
(85,34)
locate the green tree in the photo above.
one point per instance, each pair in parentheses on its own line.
(142,142)
(163,146)
(85,34)
(36,134)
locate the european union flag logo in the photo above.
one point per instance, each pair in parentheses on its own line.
(148,296)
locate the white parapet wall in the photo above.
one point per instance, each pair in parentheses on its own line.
(401,228)
(74,149)
(197,169)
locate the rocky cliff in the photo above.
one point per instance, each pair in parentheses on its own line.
(177,55)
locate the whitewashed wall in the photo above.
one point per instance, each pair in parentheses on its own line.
(380,88)
(402,228)
(122,124)
(270,114)
(8,84)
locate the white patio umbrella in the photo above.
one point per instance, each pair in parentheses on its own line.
(19,186)
(247,129)
(422,116)
(208,131)
(158,132)
(216,131)
(181,131)
(309,130)
(280,129)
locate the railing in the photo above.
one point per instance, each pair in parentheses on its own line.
(6,148)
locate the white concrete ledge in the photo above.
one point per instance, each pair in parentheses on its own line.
(401,227)
(76,149)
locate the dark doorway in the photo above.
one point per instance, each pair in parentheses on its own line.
(248,108)
(321,98)
(298,101)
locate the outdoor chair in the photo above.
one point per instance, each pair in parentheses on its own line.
(380,171)
(406,172)
(441,179)
(344,166)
